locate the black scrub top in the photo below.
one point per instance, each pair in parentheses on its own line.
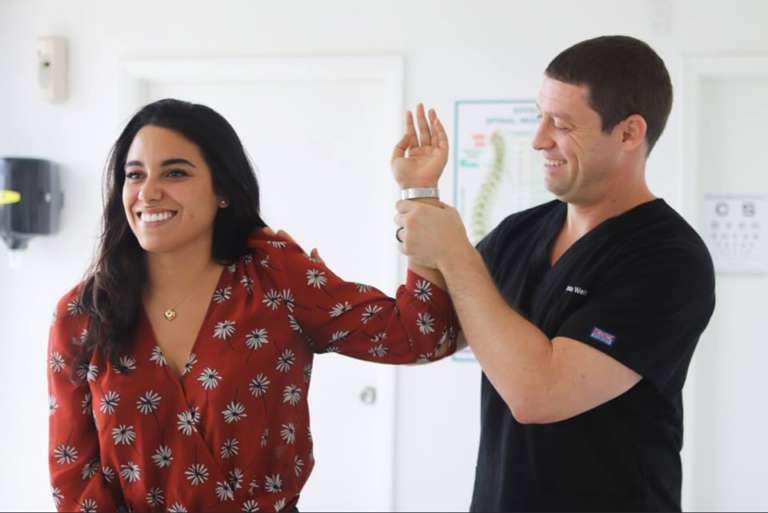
(640,288)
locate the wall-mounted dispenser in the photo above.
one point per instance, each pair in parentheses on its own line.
(30,200)
(52,68)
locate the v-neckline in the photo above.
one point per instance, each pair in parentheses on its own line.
(179,378)
(558,222)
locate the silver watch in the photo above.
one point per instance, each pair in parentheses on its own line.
(419,192)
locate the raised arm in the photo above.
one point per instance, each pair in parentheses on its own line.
(418,160)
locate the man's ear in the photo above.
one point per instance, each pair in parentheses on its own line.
(633,130)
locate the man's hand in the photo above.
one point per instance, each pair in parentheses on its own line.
(433,235)
(418,160)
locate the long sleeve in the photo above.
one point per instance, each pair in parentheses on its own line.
(362,322)
(79,481)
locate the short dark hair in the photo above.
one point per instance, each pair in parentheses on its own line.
(624,75)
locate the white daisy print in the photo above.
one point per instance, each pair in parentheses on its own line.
(425,322)
(247,282)
(123,435)
(149,402)
(197,474)
(191,361)
(88,372)
(273,483)
(259,385)
(424,358)
(340,309)
(130,472)
(279,505)
(298,465)
(53,405)
(86,405)
(339,336)
(291,395)
(90,469)
(235,477)
(88,506)
(224,330)
(57,496)
(370,312)
(307,373)
(286,360)
(423,291)
(109,402)
(288,433)
(378,337)
(235,412)
(222,295)
(256,339)
(108,473)
(195,412)
(163,456)
(362,288)
(316,278)
(230,448)
(277,244)
(272,299)
(264,438)
(125,364)
(158,358)
(264,262)
(177,507)
(65,454)
(247,259)
(232,268)
(155,497)
(288,300)
(209,378)
(56,362)
(186,423)
(294,324)
(75,307)
(224,492)
(378,351)
(250,506)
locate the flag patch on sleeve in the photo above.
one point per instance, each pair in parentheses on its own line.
(602,336)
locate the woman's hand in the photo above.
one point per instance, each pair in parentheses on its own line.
(418,160)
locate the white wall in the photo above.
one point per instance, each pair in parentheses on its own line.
(453,49)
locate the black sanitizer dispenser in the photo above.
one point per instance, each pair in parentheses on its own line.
(30,200)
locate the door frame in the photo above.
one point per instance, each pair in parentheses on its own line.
(696,69)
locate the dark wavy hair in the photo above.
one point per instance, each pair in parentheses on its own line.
(624,75)
(113,287)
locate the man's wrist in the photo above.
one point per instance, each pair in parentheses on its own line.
(459,260)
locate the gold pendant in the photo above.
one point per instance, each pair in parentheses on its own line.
(169,314)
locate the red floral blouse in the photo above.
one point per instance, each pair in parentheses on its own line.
(232,433)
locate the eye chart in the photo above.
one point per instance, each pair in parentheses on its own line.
(735,228)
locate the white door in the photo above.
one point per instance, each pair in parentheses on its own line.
(320,133)
(726,409)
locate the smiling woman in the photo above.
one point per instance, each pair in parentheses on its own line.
(179,369)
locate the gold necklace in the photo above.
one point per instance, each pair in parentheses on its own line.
(171,313)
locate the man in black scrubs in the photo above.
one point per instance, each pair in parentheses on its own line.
(583,312)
